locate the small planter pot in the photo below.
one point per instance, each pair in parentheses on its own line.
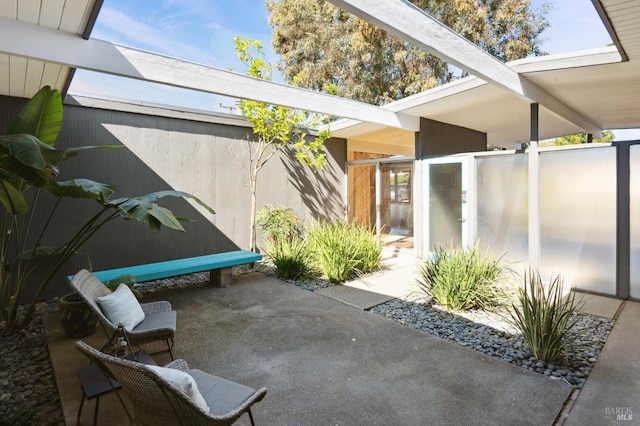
(76,318)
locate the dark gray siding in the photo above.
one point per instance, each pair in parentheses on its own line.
(436,138)
(206,159)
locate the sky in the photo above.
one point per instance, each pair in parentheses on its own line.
(202,31)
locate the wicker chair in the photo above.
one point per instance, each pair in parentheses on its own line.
(159,322)
(156,402)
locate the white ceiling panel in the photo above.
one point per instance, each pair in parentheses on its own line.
(624,16)
(9,9)
(75,15)
(51,13)
(17,76)
(22,78)
(51,75)
(4,74)
(33,77)
(29,11)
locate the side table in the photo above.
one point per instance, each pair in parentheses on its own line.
(95,383)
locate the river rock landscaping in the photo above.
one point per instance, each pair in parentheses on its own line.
(492,335)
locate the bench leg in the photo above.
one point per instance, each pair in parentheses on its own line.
(220,277)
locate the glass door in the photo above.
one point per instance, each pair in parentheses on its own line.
(445,207)
(397,201)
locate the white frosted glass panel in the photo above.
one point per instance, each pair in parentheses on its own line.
(578,217)
(445,205)
(634,267)
(502,207)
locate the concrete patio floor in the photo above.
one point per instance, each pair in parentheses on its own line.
(328,363)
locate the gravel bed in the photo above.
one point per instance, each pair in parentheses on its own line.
(28,391)
(492,335)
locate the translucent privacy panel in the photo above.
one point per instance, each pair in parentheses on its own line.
(445,205)
(578,217)
(634,267)
(502,207)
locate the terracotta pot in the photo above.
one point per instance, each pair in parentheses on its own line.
(76,318)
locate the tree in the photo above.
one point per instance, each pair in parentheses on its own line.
(325,48)
(277,127)
(578,138)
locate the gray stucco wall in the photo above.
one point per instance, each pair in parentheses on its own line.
(204,158)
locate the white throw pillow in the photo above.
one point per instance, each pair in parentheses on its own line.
(183,382)
(122,306)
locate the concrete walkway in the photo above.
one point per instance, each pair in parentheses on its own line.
(329,363)
(611,395)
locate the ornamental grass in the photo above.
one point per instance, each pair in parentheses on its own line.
(544,316)
(461,280)
(341,249)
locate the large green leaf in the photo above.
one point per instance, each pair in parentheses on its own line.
(41,116)
(148,212)
(145,209)
(72,152)
(12,199)
(28,158)
(81,188)
(155,196)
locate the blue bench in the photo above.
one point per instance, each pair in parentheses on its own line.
(218,264)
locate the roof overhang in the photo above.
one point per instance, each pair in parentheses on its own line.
(593,82)
(22,77)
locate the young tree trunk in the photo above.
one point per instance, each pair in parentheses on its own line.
(253,181)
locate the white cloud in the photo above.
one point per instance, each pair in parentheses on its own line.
(116,26)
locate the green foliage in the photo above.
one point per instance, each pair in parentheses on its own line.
(291,258)
(341,249)
(578,138)
(460,279)
(326,48)
(128,280)
(276,126)
(278,223)
(28,164)
(544,316)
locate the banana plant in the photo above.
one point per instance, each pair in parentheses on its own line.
(29,164)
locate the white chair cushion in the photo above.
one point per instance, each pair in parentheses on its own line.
(122,306)
(183,382)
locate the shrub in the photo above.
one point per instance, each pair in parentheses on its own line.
(278,222)
(341,249)
(291,258)
(460,279)
(544,316)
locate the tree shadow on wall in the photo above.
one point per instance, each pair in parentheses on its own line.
(321,192)
(124,243)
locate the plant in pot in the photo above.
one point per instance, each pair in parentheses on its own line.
(28,164)
(77,318)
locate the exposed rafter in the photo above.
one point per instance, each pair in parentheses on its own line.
(37,42)
(413,25)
